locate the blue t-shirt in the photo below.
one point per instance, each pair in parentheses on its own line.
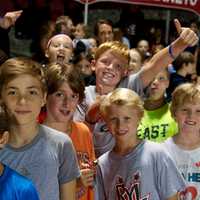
(13,186)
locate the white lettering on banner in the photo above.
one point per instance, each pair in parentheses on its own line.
(182,2)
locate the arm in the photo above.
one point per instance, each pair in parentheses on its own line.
(9,19)
(68,190)
(162,59)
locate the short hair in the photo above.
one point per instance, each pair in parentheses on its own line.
(115,47)
(15,67)
(122,97)
(185,93)
(4,121)
(185,57)
(58,74)
(99,22)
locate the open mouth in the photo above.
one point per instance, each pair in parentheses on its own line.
(65,112)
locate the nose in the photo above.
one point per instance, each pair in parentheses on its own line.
(22,99)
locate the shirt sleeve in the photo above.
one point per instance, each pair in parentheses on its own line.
(69,169)
(169,181)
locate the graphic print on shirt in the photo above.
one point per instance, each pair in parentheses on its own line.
(131,191)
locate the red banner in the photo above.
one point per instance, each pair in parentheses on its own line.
(189,5)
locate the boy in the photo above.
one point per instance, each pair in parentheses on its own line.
(184,66)
(157,124)
(65,91)
(184,147)
(44,155)
(133,169)
(110,65)
(13,186)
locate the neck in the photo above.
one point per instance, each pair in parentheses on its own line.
(22,134)
(124,147)
(151,104)
(182,72)
(60,126)
(103,89)
(187,141)
(1,169)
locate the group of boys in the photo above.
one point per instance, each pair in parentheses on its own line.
(130,168)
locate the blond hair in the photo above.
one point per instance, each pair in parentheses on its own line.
(115,47)
(185,93)
(122,97)
(15,67)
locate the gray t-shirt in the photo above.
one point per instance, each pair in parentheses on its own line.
(103,140)
(147,172)
(49,161)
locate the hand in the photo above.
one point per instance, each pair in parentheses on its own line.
(87,175)
(188,36)
(93,113)
(10,18)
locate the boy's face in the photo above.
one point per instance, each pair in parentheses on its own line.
(158,86)
(110,68)
(85,66)
(79,32)
(61,105)
(59,50)
(23,98)
(188,118)
(122,121)
(105,33)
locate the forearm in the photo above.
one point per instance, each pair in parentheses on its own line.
(161,60)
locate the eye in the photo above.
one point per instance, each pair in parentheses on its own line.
(33,92)
(59,94)
(162,78)
(75,96)
(12,92)
(127,118)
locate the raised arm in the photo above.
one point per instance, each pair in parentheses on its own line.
(164,57)
(9,19)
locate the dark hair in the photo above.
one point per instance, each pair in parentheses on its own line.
(99,22)
(185,57)
(4,121)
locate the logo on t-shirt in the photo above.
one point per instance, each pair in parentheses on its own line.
(131,191)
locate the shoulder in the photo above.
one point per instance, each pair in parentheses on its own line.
(53,135)
(155,149)
(82,127)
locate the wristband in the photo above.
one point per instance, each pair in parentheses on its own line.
(170,52)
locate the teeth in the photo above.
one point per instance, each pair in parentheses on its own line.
(190,123)
(108,75)
(65,112)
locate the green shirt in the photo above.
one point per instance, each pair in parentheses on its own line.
(157,125)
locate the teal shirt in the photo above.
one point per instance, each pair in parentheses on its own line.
(157,125)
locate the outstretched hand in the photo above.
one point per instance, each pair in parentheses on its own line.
(187,35)
(10,18)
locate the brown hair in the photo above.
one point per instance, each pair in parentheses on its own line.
(58,74)
(14,67)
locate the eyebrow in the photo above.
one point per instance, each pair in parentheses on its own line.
(30,87)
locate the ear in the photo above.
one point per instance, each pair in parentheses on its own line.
(92,65)
(46,53)
(44,99)
(4,139)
